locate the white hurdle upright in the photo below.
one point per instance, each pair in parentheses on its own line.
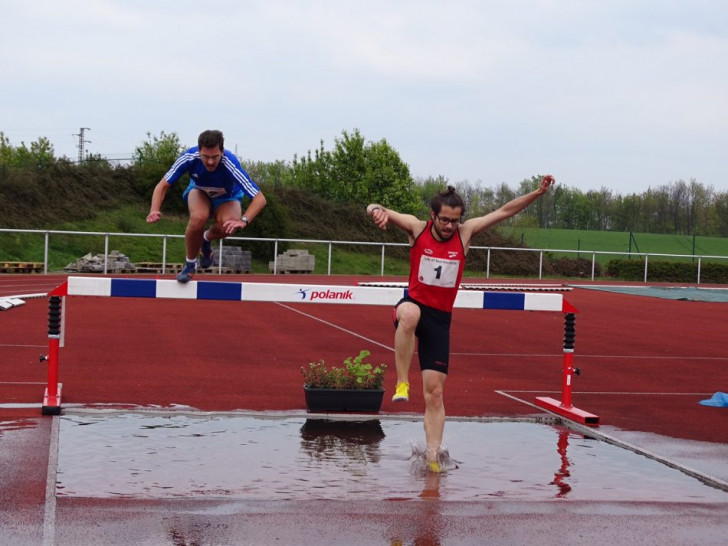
(274,292)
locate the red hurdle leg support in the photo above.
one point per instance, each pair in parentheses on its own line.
(564,408)
(52,398)
(566,378)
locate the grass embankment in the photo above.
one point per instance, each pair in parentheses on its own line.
(126,225)
(118,202)
(65,249)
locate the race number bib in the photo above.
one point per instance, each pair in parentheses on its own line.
(438,271)
(212,192)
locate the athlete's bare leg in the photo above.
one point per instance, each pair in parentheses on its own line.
(229,210)
(199,206)
(408,315)
(433,385)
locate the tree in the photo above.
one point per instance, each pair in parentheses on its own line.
(699,199)
(6,150)
(601,207)
(573,209)
(541,213)
(627,215)
(721,213)
(40,153)
(313,173)
(427,188)
(272,174)
(162,150)
(152,159)
(358,172)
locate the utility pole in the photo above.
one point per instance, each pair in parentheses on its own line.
(81,141)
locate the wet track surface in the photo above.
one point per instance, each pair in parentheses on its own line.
(123,476)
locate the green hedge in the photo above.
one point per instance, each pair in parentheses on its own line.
(634,270)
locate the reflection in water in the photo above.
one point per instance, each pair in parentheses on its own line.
(183,534)
(431,518)
(17,424)
(431,490)
(425,528)
(262,458)
(351,444)
(563,472)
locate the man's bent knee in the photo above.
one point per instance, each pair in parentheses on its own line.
(197,221)
(434,402)
(408,315)
(218,231)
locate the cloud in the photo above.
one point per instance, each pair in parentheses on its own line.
(605,92)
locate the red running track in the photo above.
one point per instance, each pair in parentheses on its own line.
(645,362)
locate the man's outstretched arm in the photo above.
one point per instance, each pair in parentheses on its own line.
(408,223)
(481,223)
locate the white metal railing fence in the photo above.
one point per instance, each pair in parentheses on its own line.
(330,244)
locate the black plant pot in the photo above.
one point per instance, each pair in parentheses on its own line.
(337,400)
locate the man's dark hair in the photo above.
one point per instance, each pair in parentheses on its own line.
(211,139)
(447,197)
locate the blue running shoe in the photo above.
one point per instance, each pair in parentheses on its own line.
(187,273)
(207,259)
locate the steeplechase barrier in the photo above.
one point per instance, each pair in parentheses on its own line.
(300,293)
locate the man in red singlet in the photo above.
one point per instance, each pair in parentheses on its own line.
(437,259)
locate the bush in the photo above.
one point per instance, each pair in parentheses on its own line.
(574,267)
(634,270)
(355,374)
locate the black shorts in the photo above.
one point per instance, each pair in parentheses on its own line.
(433,336)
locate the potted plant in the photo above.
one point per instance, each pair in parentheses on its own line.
(357,386)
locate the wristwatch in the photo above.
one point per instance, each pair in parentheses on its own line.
(245,219)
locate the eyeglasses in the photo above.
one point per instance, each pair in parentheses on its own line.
(445,221)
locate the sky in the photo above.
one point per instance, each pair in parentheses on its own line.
(623,95)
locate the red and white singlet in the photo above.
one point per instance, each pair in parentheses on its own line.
(436,268)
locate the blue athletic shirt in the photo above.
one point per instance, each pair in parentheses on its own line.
(227,180)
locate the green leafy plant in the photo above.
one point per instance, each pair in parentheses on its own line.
(355,373)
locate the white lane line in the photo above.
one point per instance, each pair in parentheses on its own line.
(518,355)
(49,515)
(595,433)
(580,355)
(336,326)
(615,393)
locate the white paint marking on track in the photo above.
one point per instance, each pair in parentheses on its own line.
(579,355)
(335,326)
(595,433)
(49,515)
(615,393)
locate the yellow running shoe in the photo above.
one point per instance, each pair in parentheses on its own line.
(402,393)
(434,467)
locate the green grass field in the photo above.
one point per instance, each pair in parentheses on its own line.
(609,241)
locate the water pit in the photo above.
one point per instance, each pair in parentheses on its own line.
(133,455)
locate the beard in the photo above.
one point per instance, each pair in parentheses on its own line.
(440,235)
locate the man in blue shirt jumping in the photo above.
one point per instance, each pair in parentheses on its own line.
(217,186)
